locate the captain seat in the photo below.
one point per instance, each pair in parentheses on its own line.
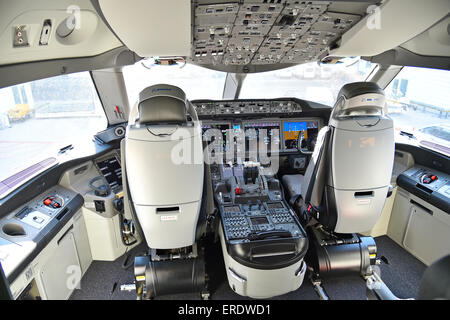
(347,180)
(165,191)
(164,165)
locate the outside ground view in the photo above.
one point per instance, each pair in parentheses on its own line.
(40,117)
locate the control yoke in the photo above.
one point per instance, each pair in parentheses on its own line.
(302,144)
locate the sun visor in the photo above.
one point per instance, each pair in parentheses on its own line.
(151,27)
(390,25)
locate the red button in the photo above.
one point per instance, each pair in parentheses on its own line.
(47,202)
(433,178)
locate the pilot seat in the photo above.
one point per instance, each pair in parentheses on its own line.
(164,181)
(346,183)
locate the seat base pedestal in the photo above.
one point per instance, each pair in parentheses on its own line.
(332,255)
(156,277)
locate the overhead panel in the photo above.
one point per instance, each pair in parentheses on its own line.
(213,25)
(253,22)
(268,32)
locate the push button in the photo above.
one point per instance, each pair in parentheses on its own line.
(52,203)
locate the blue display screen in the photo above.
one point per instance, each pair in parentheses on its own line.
(295,126)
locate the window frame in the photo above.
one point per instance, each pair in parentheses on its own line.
(17,179)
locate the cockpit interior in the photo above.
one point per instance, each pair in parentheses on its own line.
(225,150)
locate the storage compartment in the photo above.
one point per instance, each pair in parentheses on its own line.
(82,242)
(104,236)
(61,273)
(419,227)
(399,216)
(13,230)
(358,209)
(261,283)
(426,237)
(237,283)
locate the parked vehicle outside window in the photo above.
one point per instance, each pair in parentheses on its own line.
(418,101)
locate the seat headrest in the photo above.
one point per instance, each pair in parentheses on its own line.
(359,99)
(162,103)
(351,90)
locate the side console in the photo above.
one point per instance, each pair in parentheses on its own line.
(429,185)
(262,241)
(40,241)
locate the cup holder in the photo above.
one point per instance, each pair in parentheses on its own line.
(14,230)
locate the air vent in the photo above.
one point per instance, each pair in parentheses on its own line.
(119,131)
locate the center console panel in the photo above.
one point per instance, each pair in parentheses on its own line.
(262,241)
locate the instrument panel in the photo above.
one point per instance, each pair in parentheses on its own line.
(292,130)
(292,117)
(288,129)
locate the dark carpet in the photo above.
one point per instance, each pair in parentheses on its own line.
(401,272)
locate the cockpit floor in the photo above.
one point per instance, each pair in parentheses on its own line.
(401,272)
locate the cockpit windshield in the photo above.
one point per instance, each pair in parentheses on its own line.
(197,82)
(310,81)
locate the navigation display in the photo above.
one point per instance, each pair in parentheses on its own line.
(292,130)
(269,138)
(223,127)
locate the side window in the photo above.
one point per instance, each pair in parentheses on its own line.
(418,102)
(40,117)
(24,95)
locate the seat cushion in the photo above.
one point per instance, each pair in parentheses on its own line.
(293,185)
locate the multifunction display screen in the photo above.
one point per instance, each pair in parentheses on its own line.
(292,130)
